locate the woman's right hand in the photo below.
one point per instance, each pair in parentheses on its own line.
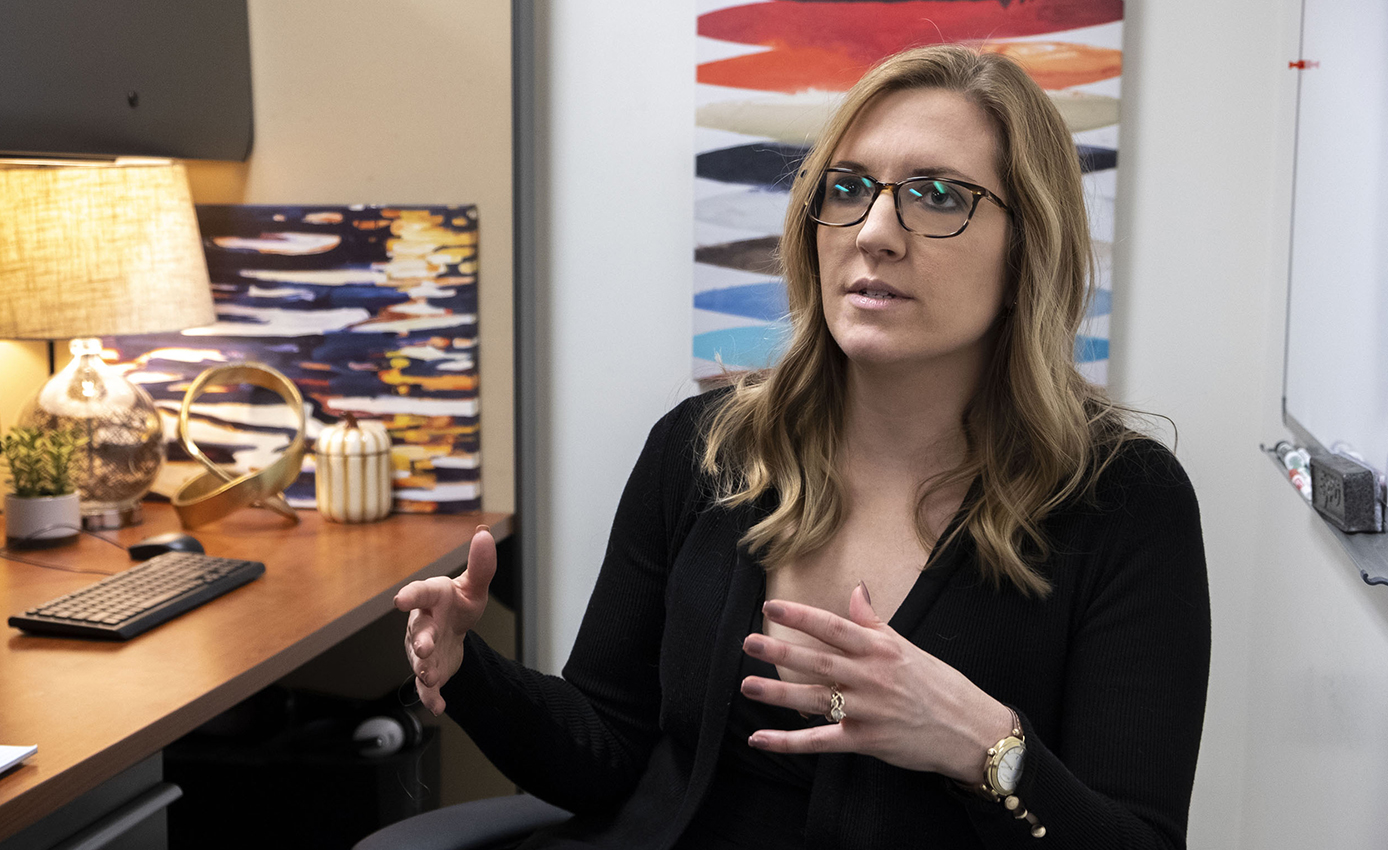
(441,612)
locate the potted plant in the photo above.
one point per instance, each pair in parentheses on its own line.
(42,508)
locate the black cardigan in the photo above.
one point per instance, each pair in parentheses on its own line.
(1108,673)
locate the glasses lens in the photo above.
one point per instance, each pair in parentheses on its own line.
(934,207)
(842,198)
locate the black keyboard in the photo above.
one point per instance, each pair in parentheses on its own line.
(140,598)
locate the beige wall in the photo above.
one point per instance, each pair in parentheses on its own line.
(23,368)
(395,103)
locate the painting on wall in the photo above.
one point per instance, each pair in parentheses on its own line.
(370,310)
(770,73)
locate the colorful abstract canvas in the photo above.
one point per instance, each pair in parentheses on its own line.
(770,73)
(370,310)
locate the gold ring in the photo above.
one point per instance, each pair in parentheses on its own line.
(836,712)
(217,492)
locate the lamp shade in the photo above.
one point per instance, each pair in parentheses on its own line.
(99,250)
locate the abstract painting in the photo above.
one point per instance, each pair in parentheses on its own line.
(370,310)
(770,73)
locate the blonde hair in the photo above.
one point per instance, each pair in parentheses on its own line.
(1037,433)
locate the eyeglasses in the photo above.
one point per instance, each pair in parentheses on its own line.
(933,207)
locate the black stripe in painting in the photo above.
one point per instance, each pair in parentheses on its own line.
(759,164)
(1096,159)
(774,165)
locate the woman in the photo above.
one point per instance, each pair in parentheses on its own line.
(917,585)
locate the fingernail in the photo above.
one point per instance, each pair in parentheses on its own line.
(773,609)
(752,688)
(866,595)
(754,643)
(483,528)
(757,742)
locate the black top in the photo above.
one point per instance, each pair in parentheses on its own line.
(757,798)
(1108,674)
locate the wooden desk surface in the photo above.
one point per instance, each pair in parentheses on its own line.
(94,708)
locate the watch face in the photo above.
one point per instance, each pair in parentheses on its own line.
(1010,768)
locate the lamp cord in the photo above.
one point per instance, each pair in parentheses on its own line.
(8,555)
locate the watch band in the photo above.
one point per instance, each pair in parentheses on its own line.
(989,788)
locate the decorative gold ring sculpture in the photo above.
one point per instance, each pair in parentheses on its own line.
(211,495)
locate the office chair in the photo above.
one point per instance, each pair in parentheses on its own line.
(491,824)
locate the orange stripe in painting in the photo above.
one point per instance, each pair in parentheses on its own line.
(789,69)
(1058,65)
(1054,65)
(868,31)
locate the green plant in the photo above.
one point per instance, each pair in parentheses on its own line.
(40,461)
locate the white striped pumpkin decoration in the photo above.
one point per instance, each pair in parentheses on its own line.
(353,471)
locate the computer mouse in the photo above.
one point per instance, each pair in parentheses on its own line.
(173,541)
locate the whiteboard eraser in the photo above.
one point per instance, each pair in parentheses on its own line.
(1345,492)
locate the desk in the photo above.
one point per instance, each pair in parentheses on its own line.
(95,708)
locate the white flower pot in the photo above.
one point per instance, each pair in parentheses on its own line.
(41,522)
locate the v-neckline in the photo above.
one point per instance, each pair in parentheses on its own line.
(939,567)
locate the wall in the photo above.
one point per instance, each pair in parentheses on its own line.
(1290,757)
(362,102)
(1195,329)
(23,369)
(614,273)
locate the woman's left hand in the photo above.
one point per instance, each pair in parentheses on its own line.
(900,703)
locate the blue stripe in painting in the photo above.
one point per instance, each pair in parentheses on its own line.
(742,348)
(1102,303)
(765,301)
(1090,348)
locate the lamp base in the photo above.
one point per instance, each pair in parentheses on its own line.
(123,516)
(122,435)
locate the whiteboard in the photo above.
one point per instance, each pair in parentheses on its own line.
(1335,386)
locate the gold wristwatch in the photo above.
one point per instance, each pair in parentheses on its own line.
(1002,768)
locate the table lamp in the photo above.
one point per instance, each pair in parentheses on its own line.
(90,250)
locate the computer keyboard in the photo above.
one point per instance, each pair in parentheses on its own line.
(140,598)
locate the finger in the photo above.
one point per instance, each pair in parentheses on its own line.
(423,644)
(429,593)
(860,608)
(411,638)
(425,674)
(806,699)
(830,628)
(419,635)
(481,565)
(816,739)
(431,699)
(811,662)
